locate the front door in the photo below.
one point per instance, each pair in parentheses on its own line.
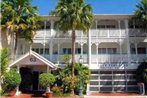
(35,80)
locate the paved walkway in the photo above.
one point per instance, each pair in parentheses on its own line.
(94,95)
(115,96)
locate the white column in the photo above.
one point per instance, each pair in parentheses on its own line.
(128,42)
(48,69)
(44,37)
(119,28)
(58,52)
(120,50)
(128,47)
(136,50)
(89,48)
(51,43)
(51,49)
(81,49)
(17,88)
(97,60)
(52,27)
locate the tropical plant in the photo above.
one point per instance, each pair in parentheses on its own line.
(74,15)
(46,80)
(141,74)
(66,79)
(4,61)
(11,80)
(19,18)
(141,14)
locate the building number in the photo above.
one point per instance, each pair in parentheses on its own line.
(33,59)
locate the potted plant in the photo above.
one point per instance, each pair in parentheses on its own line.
(141,75)
(11,81)
(45,81)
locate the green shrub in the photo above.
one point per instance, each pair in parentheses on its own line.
(11,80)
(46,80)
(4,61)
(57,91)
(66,79)
(141,73)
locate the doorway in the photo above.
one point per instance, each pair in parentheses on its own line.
(35,80)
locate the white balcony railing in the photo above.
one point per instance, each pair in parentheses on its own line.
(137,33)
(109,58)
(94,33)
(108,33)
(79,33)
(43,33)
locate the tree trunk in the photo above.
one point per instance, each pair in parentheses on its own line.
(15,44)
(73,59)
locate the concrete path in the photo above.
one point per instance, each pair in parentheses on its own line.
(115,96)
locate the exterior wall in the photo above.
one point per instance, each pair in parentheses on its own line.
(5,39)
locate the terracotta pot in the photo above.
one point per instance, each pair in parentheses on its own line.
(12,93)
(49,94)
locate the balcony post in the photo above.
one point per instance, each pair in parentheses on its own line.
(44,37)
(97,44)
(51,49)
(128,46)
(120,50)
(58,52)
(119,28)
(52,27)
(89,48)
(81,44)
(128,42)
(136,50)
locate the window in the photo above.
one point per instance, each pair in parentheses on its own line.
(66,50)
(133,51)
(105,26)
(36,50)
(78,50)
(41,51)
(107,50)
(141,50)
(46,50)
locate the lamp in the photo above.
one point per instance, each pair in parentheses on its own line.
(81,81)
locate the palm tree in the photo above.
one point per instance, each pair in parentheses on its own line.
(20,18)
(74,15)
(141,13)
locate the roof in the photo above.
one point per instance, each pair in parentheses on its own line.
(29,55)
(96,16)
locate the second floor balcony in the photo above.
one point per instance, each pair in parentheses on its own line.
(101,33)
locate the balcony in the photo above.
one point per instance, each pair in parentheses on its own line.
(108,33)
(137,33)
(109,58)
(94,33)
(43,33)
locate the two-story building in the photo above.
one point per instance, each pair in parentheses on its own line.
(112,49)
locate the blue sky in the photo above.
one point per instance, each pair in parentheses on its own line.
(99,6)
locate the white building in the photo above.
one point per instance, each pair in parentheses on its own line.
(113,49)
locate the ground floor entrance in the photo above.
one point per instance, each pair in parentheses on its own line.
(113,81)
(30,79)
